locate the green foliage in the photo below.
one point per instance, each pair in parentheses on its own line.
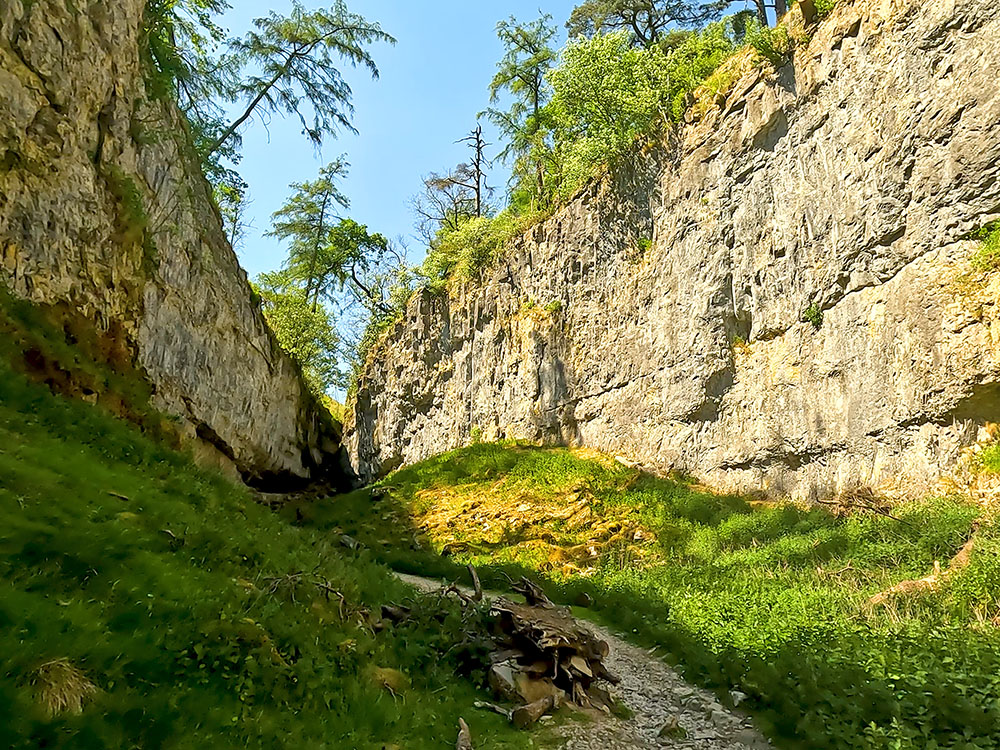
(203,619)
(554,307)
(648,22)
(467,251)
(605,94)
(771,44)
(987,257)
(693,62)
(528,57)
(825,7)
(813,314)
(177,38)
(303,328)
(989,460)
(769,600)
(288,65)
(131,220)
(608,94)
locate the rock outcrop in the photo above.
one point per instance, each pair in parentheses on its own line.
(104,213)
(659,315)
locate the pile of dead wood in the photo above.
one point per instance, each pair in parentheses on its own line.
(545,659)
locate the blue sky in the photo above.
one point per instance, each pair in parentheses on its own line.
(432,84)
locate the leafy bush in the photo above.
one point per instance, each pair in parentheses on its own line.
(772,44)
(987,257)
(607,94)
(813,314)
(693,62)
(469,250)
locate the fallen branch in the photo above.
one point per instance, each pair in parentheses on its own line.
(476,584)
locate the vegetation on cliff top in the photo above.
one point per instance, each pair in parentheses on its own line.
(145,603)
(629,70)
(818,617)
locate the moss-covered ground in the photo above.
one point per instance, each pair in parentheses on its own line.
(772,600)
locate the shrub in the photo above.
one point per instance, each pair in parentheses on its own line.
(773,45)
(825,7)
(813,314)
(987,258)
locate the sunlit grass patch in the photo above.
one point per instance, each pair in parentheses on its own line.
(771,599)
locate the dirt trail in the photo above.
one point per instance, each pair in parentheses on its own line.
(657,695)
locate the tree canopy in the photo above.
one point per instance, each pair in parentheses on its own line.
(647,22)
(528,57)
(293,68)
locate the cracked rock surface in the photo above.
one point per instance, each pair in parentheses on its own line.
(846,183)
(107,221)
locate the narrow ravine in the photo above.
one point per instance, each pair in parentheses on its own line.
(658,697)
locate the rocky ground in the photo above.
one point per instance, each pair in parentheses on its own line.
(667,711)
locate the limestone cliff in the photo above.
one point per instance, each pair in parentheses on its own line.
(658,316)
(105,216)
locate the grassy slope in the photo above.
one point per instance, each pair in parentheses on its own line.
(770,600)
(173,603)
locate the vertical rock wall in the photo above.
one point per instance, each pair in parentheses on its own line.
(104,213)
(659,315)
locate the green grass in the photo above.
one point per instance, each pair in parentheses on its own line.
(203,619)
(771,600)
(987,257)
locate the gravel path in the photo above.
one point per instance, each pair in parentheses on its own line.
(658,696)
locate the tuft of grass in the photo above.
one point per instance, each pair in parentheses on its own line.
(768,599)
(987,257)
(205,619)
(62,688)
(771,44)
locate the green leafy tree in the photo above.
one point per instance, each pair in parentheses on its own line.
(306,331)
(232,200)
(647,22)
(348,267)
(528,57)
(605,94)
(179,38)
(293,60)
(307,220)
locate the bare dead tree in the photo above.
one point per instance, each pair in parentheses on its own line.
(472,174)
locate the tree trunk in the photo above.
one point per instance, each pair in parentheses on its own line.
(780,8)
(762,12)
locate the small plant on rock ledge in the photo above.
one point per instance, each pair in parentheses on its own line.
(987,257)
(813,314)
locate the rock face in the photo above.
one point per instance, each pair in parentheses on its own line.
(104,212)
(659,315)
